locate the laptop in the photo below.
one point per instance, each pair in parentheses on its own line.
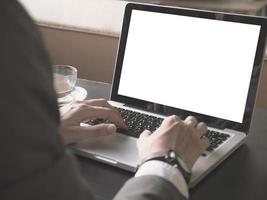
(183,62)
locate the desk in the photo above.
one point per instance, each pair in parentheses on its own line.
(242,176)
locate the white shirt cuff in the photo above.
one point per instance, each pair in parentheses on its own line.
(166,171)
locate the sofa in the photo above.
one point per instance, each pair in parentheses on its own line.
(85,34)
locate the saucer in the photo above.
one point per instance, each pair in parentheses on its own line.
(77,94)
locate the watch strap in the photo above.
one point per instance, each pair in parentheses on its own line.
(171,158)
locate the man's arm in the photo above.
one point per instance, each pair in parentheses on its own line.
(149,188)
(33,161)
(155,180)
(168,153)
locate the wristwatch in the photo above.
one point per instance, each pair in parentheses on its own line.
(172,158)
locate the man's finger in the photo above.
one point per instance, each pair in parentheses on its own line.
(169,121)
(84,132)
(84,112)
(110,114)
(98,103)
(102,129)
(191,121)
(145,134)
(201,128)
(204,143)
(79,133)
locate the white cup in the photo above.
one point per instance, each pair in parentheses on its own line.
(65,77)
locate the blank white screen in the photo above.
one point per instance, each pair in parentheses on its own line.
(195,64)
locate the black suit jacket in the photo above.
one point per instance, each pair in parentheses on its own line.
(33,162)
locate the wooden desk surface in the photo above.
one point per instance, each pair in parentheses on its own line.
(242,176)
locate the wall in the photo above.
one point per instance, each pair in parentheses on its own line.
(94,55)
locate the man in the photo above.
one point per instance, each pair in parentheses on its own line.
(34,164)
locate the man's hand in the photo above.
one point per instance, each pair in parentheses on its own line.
(182,136)
(79,111)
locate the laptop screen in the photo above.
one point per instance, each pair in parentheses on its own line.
(196,64)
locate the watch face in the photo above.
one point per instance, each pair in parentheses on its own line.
(172,154)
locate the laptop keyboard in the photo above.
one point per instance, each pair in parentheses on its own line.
(138,122)
(215,138)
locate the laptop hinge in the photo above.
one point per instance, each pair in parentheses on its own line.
(149,107)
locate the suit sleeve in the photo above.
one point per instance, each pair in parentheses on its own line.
(34,164)
(148,188)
